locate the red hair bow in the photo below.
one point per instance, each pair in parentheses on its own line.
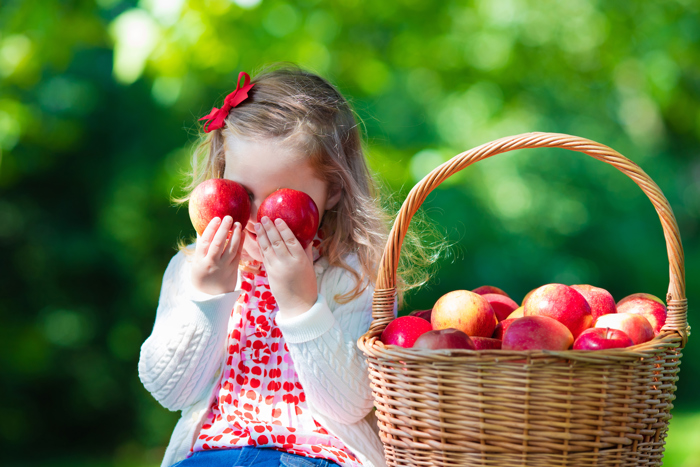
(217,116)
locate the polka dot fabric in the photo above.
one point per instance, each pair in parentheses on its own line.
(261,401)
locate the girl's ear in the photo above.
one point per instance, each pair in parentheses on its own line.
(333,197)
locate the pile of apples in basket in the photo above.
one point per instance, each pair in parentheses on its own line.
(552,317)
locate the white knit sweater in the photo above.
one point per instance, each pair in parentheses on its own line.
(181,360)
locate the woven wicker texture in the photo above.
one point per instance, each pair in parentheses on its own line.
(526,408)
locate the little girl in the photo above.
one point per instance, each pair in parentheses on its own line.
(254,337)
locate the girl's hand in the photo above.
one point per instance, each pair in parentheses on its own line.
(289,267)
(215,265)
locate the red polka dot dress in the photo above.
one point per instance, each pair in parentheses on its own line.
(261,401)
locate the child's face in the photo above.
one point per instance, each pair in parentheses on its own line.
(265,166)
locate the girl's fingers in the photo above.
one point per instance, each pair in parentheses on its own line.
(202,246)
(216,248)
(266,249)
(289,238)
(276,240)
(234,242)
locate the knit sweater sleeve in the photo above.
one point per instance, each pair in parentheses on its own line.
(182,355)
(322,344)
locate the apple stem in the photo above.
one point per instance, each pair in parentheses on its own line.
(607,333)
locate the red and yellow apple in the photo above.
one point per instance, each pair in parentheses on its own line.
(297,209)
(562,303)
(518,313)
(602,338)
(641,295)
(444,339)
(502,305)
(652,309)
(484,289)
(600,300)
(636,326)
(537,333)
(404,331)
(464,310)
(218,197)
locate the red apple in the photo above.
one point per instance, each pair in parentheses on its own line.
(641,295)
(519,313)
(502,305)
(651,309)
(464,310)
(637,327)
(537,333)
(602,338)
(600,300)
(527,295)
(444,339)
(486,343)
(404,331)
(501,328)
(425,314)
(218,197)
(296,209)
(484,289)
(562,303)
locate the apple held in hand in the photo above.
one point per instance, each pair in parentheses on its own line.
(404,331)
(218,197)
(600,300)
(637,327)
(537,333)
(602,338)
(562,303)
(296,209)
(444,339)
(464,310)
(651,308)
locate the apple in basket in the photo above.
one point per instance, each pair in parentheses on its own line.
(404,331)
(562,303)
(600,300)
(486,343)
(218,197)
(602,338)
(637,327)
(645,305)
(425,314)
(519,313)
(467,311)
(484,289)
(444,339)
(537,333)
(296,209)
(501,328)
(502,305)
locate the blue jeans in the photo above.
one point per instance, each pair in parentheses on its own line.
(250,456)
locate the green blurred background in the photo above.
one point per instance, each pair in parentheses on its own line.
(98,108)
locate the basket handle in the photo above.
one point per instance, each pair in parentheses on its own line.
(385,291)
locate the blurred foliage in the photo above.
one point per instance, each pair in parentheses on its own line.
(98,109)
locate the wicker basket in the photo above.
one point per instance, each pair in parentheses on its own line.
(525,408)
